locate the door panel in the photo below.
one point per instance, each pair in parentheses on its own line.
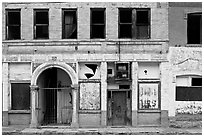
(119,108)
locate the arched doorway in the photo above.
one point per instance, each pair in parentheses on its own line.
(54,89)
(55,97)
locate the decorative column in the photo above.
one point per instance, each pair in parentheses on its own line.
(165,94)
(103,94)
(34,105)
(134,92)
(75,123)
(5,95)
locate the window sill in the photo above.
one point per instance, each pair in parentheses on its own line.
(193,45)
(89,111)
(149,111)
(19,111)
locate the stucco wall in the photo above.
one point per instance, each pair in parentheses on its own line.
(178,24)
(183,61)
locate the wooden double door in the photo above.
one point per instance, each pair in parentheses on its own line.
(119,108)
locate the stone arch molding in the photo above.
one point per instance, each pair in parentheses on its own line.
(187,73)
(68,69)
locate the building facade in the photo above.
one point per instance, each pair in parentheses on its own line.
(185,57)
(89,64)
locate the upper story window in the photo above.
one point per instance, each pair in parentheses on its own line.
(98,23)
(194,28)
(41,24)
(134,23)
(13,24)
(69,30)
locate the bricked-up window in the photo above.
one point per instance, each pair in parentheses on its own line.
(134,23)
(98,23)
(194,28)
(13,24)
(41,24)
(69,24)
(189,89)
(20,96)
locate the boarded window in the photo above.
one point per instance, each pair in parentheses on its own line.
(13,24)
(194,28)
(89,95)
(69,24)
(20,96)
(188,93)
(134,23)
(41,24)
(149,96)
(189,88)
(98,23)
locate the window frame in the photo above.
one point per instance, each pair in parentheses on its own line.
(34,23)
(7,25)
(97,24)
(10,102)
(63,22)
(189,84)
(134,23)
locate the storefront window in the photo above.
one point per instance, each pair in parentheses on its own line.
(148,96)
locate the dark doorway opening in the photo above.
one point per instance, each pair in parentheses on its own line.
(54,103)
(50,96)
(119,107)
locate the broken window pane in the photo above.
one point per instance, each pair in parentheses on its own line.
(20,96)
(13,24)
(196,82)
(41,24)
(194,28)
(69,24)
(97,23)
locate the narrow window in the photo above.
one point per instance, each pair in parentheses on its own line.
(41,24)
(13,24)
(194,28)
(134,23)
(125,23)
(69,24)
(20,96)
(98,23)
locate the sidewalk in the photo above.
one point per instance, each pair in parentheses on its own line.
(16,130)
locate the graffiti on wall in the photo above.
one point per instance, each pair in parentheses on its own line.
(148,96)
(89,96)
(190,107)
